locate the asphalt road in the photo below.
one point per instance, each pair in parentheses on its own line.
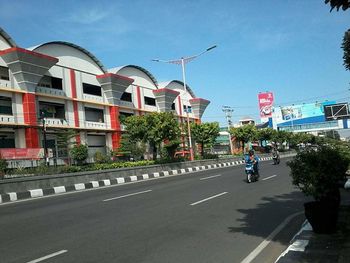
(207,216)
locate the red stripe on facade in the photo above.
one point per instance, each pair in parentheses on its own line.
(166,90)
(114,76)
(29,108)
(22,50)
(30,117)
(75,103)
(114,114)
(77,139)
(76,113)
(32,138)
(138,94)
(73,84)
(115,125)
(198,99)
(180,105)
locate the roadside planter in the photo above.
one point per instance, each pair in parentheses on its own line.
(317,173)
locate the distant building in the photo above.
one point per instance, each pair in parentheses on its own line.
(245,121)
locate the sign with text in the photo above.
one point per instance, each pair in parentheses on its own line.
(265,104)
(22,153)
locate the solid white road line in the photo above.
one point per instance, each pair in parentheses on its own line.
(267,178)
(122,196)
(48,256)
(205,178)
(206,199)
(263,244)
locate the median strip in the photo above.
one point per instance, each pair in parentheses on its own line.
(209,198)
(122,196)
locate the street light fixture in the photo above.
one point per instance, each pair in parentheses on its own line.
(182,61)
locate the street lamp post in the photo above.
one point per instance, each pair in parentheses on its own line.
(42,116)
(183,61)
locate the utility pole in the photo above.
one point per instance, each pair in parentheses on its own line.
(228,113)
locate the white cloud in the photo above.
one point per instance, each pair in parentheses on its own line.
(87,16)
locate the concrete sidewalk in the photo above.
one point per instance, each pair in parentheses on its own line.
(308,246)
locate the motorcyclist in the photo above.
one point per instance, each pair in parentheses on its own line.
(275,153)
(252,158)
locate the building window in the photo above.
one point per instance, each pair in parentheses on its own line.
(52,110)
(56,83)
(4,73)
(51,82)
(150,101)
(124,115)
(173,106)
(95,115)
(92,89)
(189,108)
(7,140)
(5,105)
(126,97)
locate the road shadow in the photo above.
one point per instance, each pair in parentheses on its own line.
(263,219)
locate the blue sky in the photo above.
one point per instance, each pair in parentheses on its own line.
(289,47)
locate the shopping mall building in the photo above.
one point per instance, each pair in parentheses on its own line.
(71,89)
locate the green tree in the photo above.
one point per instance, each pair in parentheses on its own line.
(280,137)
(205,134)
(153,128)
(79,153)
(343,4)
(244,134)
(131,148)
(265,134)
(346,48)
(65,142)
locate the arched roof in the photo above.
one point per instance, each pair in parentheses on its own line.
(167,83)
(6,37)
(149,74)
(89,54)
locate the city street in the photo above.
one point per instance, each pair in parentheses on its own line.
(208,216)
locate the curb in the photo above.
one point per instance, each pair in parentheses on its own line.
(34,193)
(297,245)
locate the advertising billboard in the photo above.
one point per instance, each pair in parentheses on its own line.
(265,104)
(337,111)
(302,113)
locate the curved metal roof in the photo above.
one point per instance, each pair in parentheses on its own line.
(149,74)
(89,54)
(189,90)
(7,38)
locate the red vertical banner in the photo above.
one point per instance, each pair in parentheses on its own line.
(115,125)
(30,118)
(265,104)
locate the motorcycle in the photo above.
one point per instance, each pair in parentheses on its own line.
(276,159)
(252,174)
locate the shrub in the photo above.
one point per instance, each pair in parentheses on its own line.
(3,166)
(316,172)
(79,153)
(101,158)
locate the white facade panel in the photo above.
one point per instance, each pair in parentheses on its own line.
(70,57)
